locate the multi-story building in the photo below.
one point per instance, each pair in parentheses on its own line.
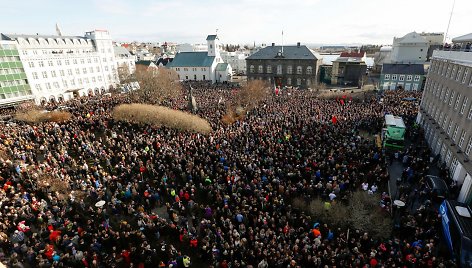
(236,59)
(61,67)
(446,115)
(124,58)
(411,48)
(284,65)
(402,76)
(349,69)
(14,87)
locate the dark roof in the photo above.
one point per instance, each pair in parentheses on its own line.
(212,37)
(290,52)
(144,62)
(192,59)
(353,54)
(393,68)
(164,61)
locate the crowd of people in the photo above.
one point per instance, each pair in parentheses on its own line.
(95,192)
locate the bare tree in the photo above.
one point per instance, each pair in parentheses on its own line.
(252,94)
(156,85)
(125,75)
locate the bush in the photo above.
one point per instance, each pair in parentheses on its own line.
(160,116)
(36,116)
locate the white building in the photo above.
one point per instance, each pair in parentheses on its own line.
(201,66)
(191,47)
(411,48)
(61,67)
(124,58)
(236,59)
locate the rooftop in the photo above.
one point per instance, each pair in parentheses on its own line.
(400,68)
(289,53)
(192,59)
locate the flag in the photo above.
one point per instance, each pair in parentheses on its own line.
(334,119)
(342,102)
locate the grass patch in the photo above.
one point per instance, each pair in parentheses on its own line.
(161,116)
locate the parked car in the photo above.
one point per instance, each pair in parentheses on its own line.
(437,187)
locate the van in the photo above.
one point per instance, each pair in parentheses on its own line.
(437,187)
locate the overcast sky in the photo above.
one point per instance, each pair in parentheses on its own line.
(240,21)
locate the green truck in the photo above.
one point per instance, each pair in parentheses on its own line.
(393,133)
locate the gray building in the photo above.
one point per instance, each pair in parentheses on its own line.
(402,76)
(446,115)
(284,65)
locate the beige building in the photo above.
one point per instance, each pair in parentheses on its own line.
(446,115)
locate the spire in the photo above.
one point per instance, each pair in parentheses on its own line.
(58,31)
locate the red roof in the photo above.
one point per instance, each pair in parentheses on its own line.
(125,45)
(353,54)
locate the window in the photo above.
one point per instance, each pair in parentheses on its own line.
(456,106)
(454,135)
(104,59)
(62,72)
(45,74)
(289,69)
(48,85)
(53,73)
(89,60)
(308,82)
(387,77)
(100,78)
(98,69)
(409,77)
(80,81)
(459,72)
(38,87)
(449,128)
(72,82)
(82,61)
(447,95)
(41,63)
(447,70)
(299,81)
(94,80)
(464,77)
(50,63)
(35,75)
(84,70)
(91,70)
(69,71)
(309,70)
(451,100)
(299,70)
(31,64)
(394,77)
(469,115)
(453,72)
(269,69)
(279,69)
(402,77)
(74,61)
(251,69)
(289,81)
(77,71)
(86,80)
(59,63)
(67,62)
(417,78)
(461,140)
(64,83)
(464,105)
(469,147)
(260,69)
(106,68)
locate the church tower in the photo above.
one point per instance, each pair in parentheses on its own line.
(213,46)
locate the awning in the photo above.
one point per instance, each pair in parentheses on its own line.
(463,38)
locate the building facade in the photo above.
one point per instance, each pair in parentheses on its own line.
(284,66)
(349,69)
(411,48)
(14,87)
(124,59)
(200,66)
(402,76)
(61,67)
(446,115)
(236,59)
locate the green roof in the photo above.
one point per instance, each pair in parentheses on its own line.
(192,59)
(221,66)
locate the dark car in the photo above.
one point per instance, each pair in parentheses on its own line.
(437,187)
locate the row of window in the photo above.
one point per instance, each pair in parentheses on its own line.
(13,83)
(401,77)
(451,71)
(51,63)
(295,82)
(440,147)
(61,51)
(9,58)
(72,82)
(11,71)
(78,71)
(289,69)
(193,69)
(4,95)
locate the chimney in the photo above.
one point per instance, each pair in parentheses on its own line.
(273,44)
(298,44)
